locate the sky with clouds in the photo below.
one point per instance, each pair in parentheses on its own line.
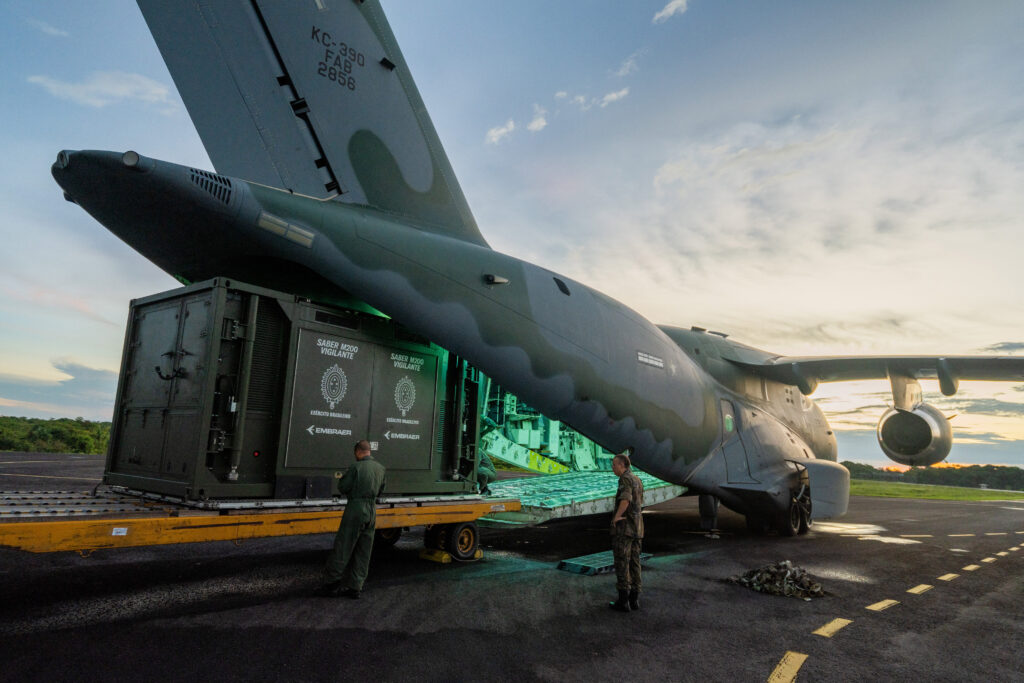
(813,178)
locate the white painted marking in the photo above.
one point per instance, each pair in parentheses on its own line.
(888,539)
(843,528)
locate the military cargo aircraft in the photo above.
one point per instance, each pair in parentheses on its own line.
(331,182)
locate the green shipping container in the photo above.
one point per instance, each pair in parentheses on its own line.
(233,391)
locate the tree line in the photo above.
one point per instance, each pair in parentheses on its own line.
(59,435)
(972,476)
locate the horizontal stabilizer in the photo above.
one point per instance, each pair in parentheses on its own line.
(314,97)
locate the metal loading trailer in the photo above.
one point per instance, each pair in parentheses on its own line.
(42,522)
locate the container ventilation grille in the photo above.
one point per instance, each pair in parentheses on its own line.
(217,185)
(267,358)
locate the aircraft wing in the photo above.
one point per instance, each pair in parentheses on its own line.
(806,372)
(313,97)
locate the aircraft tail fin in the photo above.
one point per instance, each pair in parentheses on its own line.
(314,97)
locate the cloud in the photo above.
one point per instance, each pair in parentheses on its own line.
(48,29)
(39,295)
(668,11)
(832,197)
(1005,347)
(103,88)
(539,121)
(981,406)
(496,135)
(561,95)
(629,66)
(614,97)
(87,392)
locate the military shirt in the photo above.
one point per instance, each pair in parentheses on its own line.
(631,489)
(363,480)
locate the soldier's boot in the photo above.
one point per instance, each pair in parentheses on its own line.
(634,600)
(328,590)
(622,604)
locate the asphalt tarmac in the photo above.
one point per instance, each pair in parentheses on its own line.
(222,612)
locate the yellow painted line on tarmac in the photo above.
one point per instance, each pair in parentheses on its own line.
(1014,549)
(884,604)
(995,533)
(948,577)
(959,535)
(1018,532)
(830,629)
(1003,554)
(917,590)
(972,567)
(785,671)
(989,559)
(915,536)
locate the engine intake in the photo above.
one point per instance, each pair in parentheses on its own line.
(918,438)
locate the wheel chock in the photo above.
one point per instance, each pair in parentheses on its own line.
(433,555)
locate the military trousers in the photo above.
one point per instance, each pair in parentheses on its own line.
(626,552)
(349,559)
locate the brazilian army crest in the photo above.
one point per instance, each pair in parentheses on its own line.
(405,395)
(333,385)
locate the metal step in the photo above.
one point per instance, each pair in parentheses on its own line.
(598,563)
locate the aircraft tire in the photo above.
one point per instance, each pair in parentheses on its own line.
(805,513)
(788,523)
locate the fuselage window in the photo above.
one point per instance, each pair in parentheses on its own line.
(562,286)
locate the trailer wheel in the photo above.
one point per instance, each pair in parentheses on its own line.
(461,540)
(387,538)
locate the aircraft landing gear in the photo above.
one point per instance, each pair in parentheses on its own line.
(708,506)
(796,519)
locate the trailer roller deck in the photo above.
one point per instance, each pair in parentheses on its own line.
(41,521)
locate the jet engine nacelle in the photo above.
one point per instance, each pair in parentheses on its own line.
(918,438)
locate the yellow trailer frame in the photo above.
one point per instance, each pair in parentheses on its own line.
(193,526)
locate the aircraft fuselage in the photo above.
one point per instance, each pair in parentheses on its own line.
(575,354)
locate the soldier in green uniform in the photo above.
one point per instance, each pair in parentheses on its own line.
(349,560)
(485,473)
(627,532)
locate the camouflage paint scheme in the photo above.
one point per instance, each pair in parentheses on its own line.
(371,211)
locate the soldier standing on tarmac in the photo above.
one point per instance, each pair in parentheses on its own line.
(627,532)
(349,560)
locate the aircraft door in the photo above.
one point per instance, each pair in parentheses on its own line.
(733,449)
